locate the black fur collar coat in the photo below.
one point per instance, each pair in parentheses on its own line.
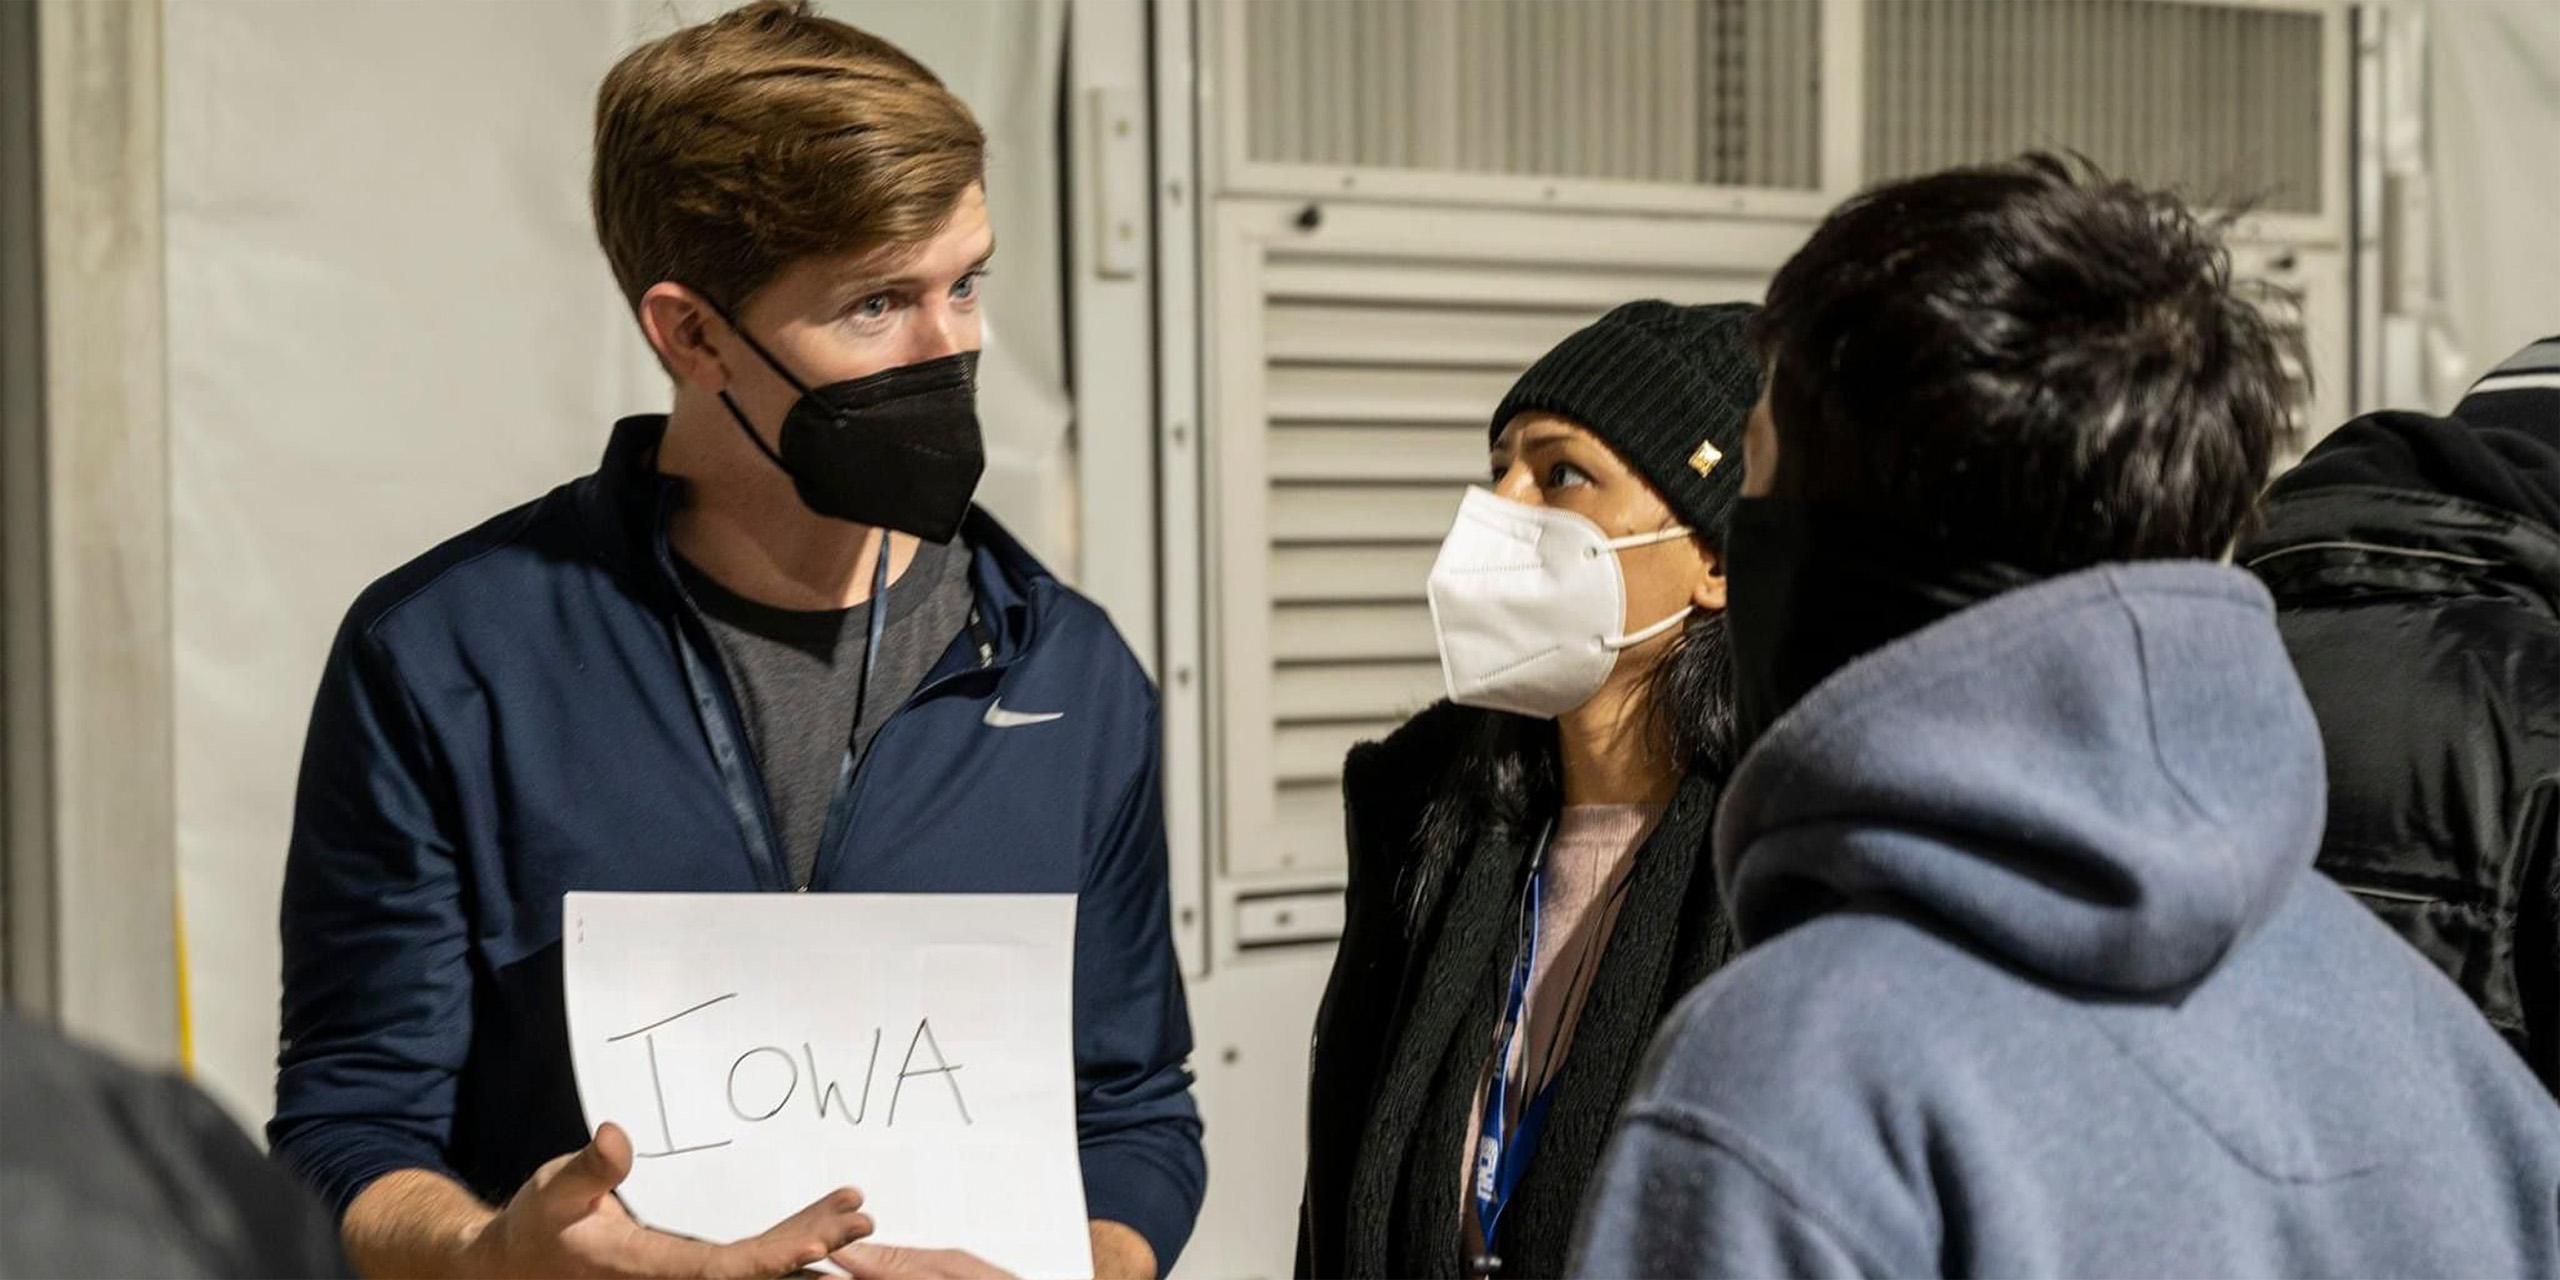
(1444,818)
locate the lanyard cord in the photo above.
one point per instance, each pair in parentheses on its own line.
(879,624)
(1503,1147)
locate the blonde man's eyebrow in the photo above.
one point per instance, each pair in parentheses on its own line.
(897,274)
(918,280)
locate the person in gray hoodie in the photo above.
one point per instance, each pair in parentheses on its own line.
(2039,979)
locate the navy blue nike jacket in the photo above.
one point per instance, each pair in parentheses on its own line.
(530,709)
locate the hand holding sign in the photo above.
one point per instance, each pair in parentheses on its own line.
(762,1048)
(892,1262)
(566,1222)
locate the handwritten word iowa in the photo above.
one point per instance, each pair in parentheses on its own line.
(755,1103)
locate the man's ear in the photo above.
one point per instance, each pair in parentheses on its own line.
(1708,594)
(679,325)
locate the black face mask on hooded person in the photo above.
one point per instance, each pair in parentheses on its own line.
(899,449)
(1812,587)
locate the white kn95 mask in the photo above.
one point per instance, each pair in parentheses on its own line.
(1527,601)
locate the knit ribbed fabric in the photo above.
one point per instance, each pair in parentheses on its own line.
(1657,381)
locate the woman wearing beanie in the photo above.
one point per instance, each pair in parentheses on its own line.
(1530,885)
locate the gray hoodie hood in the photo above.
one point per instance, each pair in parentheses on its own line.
(2073,1002)
(2015,772)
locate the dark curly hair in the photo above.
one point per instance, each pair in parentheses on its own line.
(2028,361)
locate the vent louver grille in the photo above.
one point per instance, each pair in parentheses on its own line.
(1719,92)
(1376,390)
(2221,102)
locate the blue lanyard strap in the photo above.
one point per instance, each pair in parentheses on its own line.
(879,625)
(1503,1151)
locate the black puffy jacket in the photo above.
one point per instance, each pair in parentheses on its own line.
(2426,628)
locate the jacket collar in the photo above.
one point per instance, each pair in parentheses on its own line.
(625,505)
(2348,539)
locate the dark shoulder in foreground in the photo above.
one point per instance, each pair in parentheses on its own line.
(112,1171)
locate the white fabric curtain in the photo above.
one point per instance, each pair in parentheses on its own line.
(388,319)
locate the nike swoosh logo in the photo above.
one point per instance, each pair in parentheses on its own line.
(999,718)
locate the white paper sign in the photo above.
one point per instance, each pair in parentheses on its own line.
(763,1049)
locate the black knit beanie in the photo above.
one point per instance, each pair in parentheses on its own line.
(1668,387)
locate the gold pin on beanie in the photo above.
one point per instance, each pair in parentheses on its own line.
(1667,386)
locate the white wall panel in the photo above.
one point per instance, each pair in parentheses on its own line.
(387,321)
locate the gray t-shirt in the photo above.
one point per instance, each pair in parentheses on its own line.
(798,679)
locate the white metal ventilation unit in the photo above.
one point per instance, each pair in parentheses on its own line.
(1407,201)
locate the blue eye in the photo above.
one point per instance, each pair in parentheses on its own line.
(872,308)
(967,286)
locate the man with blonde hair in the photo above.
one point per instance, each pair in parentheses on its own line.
(769,645)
